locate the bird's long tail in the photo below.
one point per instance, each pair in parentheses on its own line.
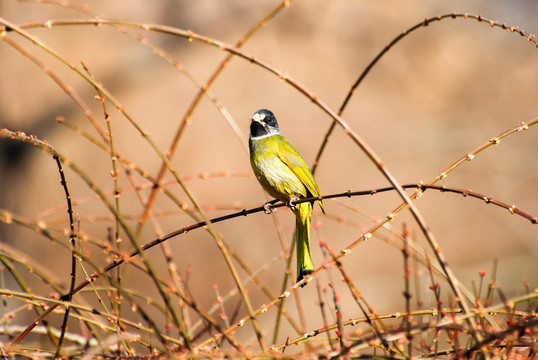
(303,215)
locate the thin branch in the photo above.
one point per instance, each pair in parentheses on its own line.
(72,236)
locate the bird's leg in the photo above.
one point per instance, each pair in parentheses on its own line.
(267,209)
(289,204)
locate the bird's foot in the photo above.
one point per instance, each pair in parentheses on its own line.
(290,204)
(305,274)
(267,209)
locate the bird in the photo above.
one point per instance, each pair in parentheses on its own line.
(283,174)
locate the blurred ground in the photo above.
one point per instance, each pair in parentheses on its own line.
(440,93)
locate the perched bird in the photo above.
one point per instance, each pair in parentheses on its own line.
(283,173)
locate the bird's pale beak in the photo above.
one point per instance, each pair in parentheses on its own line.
(258,118)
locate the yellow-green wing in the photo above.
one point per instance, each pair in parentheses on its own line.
(291,157)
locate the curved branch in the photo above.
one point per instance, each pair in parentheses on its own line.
(427,21)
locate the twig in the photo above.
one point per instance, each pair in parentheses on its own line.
(72,236)
(322,310)
(407,293)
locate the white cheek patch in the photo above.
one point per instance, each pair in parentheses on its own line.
(258,117)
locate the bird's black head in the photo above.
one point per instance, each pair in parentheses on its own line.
(263,123)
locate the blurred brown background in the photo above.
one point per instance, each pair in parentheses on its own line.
(438,94)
